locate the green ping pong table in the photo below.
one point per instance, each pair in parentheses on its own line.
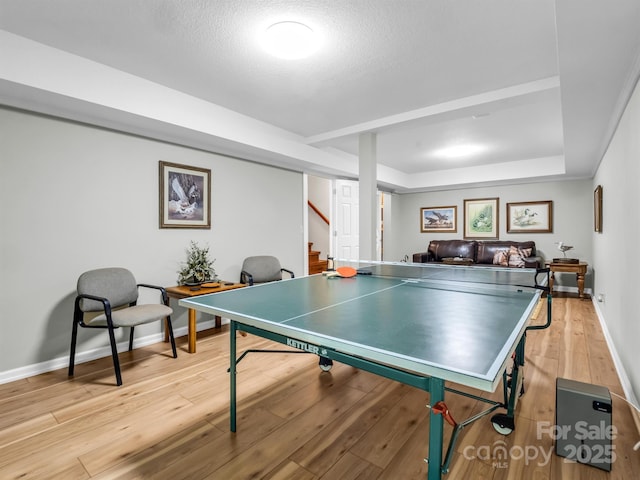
(419,324)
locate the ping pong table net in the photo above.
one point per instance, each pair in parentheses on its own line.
(464,277)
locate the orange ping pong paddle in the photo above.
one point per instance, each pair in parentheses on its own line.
(344,272)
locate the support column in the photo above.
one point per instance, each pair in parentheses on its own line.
(368,188)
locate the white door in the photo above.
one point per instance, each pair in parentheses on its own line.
(347,220)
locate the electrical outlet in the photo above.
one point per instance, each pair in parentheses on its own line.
(601,297)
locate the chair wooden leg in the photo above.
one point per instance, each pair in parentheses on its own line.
(114,354)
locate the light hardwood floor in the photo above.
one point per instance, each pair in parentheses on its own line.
(170,418)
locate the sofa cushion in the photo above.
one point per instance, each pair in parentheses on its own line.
(488,249)
(439,249)
(501,258)
(517,256)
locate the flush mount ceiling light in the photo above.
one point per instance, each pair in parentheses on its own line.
(290,40)
(459,151)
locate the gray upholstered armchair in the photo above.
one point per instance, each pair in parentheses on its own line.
(112,294)
(262,269)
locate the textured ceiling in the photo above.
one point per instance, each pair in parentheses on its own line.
(515,77)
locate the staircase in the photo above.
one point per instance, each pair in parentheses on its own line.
(315,264)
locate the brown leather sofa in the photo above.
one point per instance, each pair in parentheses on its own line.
(486,252)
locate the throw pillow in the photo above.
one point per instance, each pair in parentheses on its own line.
(517,256)
(501,257)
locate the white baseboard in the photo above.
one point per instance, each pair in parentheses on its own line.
(560,288)
(622,373)
(88,355)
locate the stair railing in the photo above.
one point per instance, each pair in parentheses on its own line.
(320,214)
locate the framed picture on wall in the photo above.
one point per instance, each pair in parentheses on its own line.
(439,219)
(185,196)
(481,218)
(530,217)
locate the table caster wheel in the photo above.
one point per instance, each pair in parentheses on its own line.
(325,364)
(503,424)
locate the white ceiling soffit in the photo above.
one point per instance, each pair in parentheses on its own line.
(538,87)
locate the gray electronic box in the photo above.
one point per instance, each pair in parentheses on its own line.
(583,423)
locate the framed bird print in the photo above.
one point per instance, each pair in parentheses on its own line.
(439,219)
(185,196)
(481,218)
(530,217)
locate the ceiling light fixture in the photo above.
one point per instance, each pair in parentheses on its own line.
(290,40)
(460,151)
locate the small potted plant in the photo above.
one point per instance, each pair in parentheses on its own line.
(198,268)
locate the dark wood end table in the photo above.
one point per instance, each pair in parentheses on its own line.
(580,269)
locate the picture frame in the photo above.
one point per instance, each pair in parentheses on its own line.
(185,196)
(530,217)
(439,219)
(597,209)
(481,218)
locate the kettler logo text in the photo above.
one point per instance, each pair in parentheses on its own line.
(303,346)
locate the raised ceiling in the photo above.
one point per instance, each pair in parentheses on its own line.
(539,86)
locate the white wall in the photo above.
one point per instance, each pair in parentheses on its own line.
(572,219)
(76,198)
(614,250)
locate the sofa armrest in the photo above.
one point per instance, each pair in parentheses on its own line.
(533,262)
(421,257)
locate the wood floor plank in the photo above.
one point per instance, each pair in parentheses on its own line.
(202,459)
(538,401)
(327,447)
(257,461)
(350,467)
(27,428)
(118,399)
(408,462)
(289,470)
(383,441)
(139,430)
(575,365)
(601,365)
(152,461)
(23,407)
(71,441)
(52,467)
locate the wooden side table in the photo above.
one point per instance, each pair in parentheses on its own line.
(580,269)
(184,291)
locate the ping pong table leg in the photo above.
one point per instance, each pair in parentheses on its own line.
(513,386)
(232,375)
(517,378)
(436,394)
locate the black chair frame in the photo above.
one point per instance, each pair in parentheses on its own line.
(78,320)
(246,277)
